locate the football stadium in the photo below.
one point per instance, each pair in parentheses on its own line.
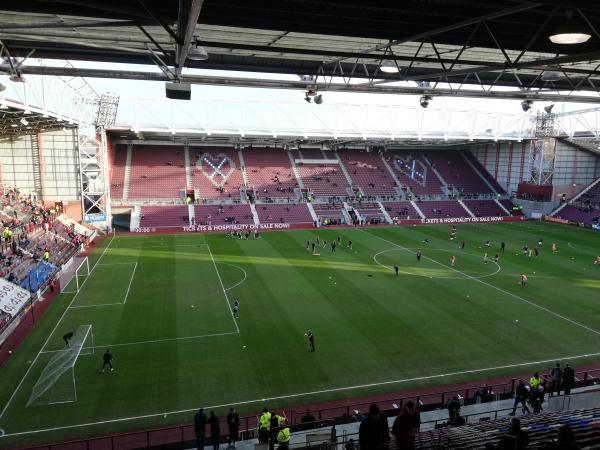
(299,224)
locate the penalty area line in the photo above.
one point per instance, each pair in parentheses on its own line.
(510,294)
(306,394)
(155,341)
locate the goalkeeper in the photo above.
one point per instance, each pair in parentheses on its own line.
(107,361)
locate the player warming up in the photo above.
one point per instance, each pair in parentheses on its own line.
(107,361)
(453,260)
(236,309)
(523,281)
(67,337)
(311,340)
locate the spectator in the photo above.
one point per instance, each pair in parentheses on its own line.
(521,395)
(233,425)
(215,430)
(535,381)
(406,426)
(565,441)
(454,418)
(200,428)
(264,426)
(568,379)
(515,438)
(373,432)
(537,398)
(284,435)
(555,377)
(308,419)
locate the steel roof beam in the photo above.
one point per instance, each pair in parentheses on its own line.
(299,85)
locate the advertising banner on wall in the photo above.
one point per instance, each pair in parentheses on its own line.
(12,297)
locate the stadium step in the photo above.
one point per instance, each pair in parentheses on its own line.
(243,167)
(188,170)
(393,175)
(435,171)
(127,176)
(254,214)
(508,213)
(313,214)
(478,172)
(461,203)
(344,171)
(295,171)
(388,219)
(417,209)
(590,186)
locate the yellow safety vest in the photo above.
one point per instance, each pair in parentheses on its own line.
(535,382)
(46,255)
(265,421)
(284,435)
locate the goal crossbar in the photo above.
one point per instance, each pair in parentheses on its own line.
(62,361)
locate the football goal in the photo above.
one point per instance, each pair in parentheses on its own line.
(56,383)
(72,278)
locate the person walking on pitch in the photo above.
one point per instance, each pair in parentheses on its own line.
(311,340)
(107,361)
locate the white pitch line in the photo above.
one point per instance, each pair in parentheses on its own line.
(309,393)
(130,281)
(222,287)
(239,282)
(53,331)
(529,302)
(155,341)
(96,306)
(118,263)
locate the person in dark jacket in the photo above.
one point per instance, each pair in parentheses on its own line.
(373,432)
(406,426)
(515,438)
(233,425)
(215,430)
(568,379)
(200,428)
(521,396)
(566,440)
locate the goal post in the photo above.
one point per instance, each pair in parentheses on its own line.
(72,278)
(56,383)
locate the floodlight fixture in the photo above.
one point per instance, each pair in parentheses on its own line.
(24,121)
(570,31)
(548,108)
(318,99)
(389,66)
(526,105)
(424,101)
(197,52)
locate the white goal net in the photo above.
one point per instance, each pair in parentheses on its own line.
(73,277)
(56,383)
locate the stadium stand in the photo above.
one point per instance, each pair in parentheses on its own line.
(270,173)
(475,162)
(313,153)
(445,208)
(580,214)
(157,172)
(484,208)
(324,180)
(118,172)
(368,172)
(216,172)
(329,213)
(457,173)
(414,174)
(164,216)
(369,212)
(223,214)
(284,213)
(401,210)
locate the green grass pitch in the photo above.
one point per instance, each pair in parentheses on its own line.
(374,331)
